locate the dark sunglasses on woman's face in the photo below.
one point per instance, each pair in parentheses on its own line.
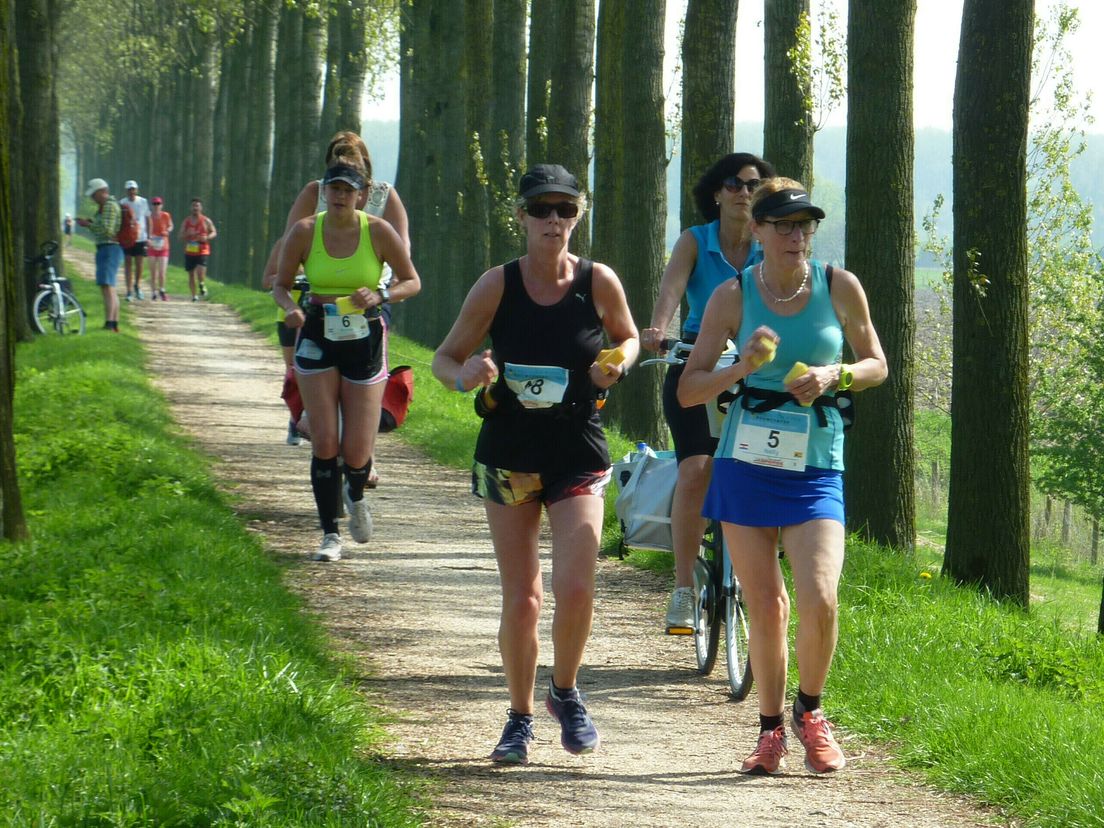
(734,184)
(543,209)
(785,227)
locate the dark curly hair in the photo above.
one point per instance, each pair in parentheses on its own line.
(714,177)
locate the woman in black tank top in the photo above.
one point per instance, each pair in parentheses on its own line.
(541,444)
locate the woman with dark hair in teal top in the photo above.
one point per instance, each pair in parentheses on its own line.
(341,350)
(778,469)
(704,256)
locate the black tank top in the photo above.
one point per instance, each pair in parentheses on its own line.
(566,438)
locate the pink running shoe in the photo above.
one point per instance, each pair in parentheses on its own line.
(769,755)
(822,751)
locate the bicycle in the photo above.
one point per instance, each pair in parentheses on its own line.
(55,308)
(718,597)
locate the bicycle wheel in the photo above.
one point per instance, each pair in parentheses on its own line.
(707,627)
(58,313)
(736,646)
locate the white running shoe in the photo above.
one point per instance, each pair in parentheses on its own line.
(360,519)
(330,550)
(680,612)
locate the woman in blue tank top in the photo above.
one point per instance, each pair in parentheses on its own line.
(779,463)
(704,256)
(541,442)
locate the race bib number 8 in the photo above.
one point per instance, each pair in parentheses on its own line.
(340,327)
(778,439)
(537,386)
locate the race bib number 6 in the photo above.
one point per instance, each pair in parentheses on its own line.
(537,386)
(340,327)
(777,439)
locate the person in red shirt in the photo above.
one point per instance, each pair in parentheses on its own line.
(196,231)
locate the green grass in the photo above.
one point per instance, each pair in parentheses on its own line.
(155,670)
(979,698)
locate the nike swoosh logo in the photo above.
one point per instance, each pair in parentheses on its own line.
(796,196)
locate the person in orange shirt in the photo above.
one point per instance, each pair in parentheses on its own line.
(161,226)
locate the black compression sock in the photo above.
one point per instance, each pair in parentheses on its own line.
(326,483)
(357,478)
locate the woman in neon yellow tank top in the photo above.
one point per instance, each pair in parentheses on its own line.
(340,356)
(778,469)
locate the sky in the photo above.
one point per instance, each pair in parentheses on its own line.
(936,51)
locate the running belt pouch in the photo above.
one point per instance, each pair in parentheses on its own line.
(643,505)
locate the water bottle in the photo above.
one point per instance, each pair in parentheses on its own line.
(644,448)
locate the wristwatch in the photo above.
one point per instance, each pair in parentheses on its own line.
(845,378)
(385,295)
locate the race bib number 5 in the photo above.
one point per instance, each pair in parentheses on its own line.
(340,327)
(778,439)
(537,386)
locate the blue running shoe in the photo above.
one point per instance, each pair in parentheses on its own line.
(513,747)
(577,732)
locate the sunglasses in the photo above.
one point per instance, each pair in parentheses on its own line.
(784,227)
(543,209)
(734,184)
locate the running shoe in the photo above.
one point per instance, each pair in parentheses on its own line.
(293,438)
(202,289)
(769,756)
(577,732)
(128,296)
(330,550)
(513,746)
(680,612)
(360,519)
(822,751)
(196,298)
(138,294)
(164,298)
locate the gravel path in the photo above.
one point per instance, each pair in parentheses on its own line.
(418,609)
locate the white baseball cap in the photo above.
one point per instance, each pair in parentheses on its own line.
(94,185)
(131,184)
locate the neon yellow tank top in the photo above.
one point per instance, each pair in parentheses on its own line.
(331,276)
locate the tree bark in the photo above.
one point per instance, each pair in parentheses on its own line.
(787,121)
(259,168)
(708,94)
(309,97)
(13,525)
(881,466)
(287,128)
(570,100)
(331,95)
(609,132)
(505,142)
(13,122)
(354,63)
(635,406)
(989,506)
(475,212)
(543,33)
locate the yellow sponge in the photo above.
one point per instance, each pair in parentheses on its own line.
(610,357)
(771,347)
(798,369)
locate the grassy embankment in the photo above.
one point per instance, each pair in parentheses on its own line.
(155,669)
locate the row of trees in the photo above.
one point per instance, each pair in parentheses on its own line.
(232,100)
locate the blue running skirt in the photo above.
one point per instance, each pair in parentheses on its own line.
(750,495)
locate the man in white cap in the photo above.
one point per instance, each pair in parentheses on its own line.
(109,255)
(136,253)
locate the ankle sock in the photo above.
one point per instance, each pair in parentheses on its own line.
(769,722)
(805,703)
(559,692)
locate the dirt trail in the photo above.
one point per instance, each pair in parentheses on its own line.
(418,608)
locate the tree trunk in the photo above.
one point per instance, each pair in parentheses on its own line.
(331,96)
(787,120)
(1067,521)
(505,142)
(570,100)
(478,20)
(988,533)
(288,129)
(881,465)
(543,34)
(35,23)
(354,63)
(609,143)
(635,405)
(230,253)
(1094,549)
(12,523)
(308,95)
(708,94)
(13,283)
(259,168)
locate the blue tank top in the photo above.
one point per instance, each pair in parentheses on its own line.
(710,270)
(813,336)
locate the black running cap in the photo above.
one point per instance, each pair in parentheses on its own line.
(548,178)
(343,172)
(785,203)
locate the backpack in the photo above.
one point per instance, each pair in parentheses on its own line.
(397,396)
(128,227)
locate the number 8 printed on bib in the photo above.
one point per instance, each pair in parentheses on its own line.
(537,386)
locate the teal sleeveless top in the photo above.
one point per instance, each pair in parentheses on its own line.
(813,336)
